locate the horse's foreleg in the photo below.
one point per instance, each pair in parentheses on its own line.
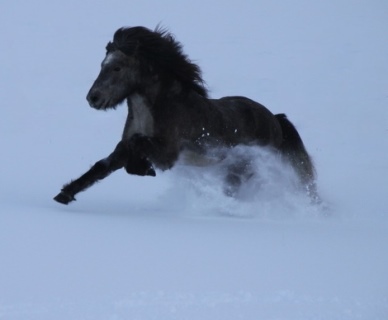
(100,170)
(146,150)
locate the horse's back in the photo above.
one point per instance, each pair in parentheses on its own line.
(251,120)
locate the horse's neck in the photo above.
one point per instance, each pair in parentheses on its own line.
(162,90)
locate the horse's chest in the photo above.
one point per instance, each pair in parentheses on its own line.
(140,119)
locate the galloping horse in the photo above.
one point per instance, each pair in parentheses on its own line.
(170,114)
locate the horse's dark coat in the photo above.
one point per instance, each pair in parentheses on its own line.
(169,113)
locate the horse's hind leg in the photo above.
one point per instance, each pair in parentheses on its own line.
(232,184)
(237,174)
(100,170)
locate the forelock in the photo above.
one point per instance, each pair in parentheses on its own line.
(110,47)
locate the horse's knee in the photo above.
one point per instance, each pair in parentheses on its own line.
(101,165)
(104,167)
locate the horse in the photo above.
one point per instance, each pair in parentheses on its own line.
(171,116)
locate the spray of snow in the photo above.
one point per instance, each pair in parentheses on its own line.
(272,192)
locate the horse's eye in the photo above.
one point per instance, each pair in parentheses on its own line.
(117,69)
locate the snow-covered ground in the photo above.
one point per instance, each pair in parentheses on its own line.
(174,247)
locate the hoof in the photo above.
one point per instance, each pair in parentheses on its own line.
(151,172)
(64,198)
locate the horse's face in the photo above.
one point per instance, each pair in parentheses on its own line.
(117,80)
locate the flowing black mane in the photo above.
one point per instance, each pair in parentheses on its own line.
(160,49)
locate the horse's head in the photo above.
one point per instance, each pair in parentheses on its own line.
(137,60)
(117,79)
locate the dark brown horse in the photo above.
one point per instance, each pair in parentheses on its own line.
(170,114)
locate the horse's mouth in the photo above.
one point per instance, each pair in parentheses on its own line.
(103,105)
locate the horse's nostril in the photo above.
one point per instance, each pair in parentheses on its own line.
(93,97)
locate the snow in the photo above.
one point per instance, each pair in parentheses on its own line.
(174,247)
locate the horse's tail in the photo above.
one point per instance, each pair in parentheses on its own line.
(293,149)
